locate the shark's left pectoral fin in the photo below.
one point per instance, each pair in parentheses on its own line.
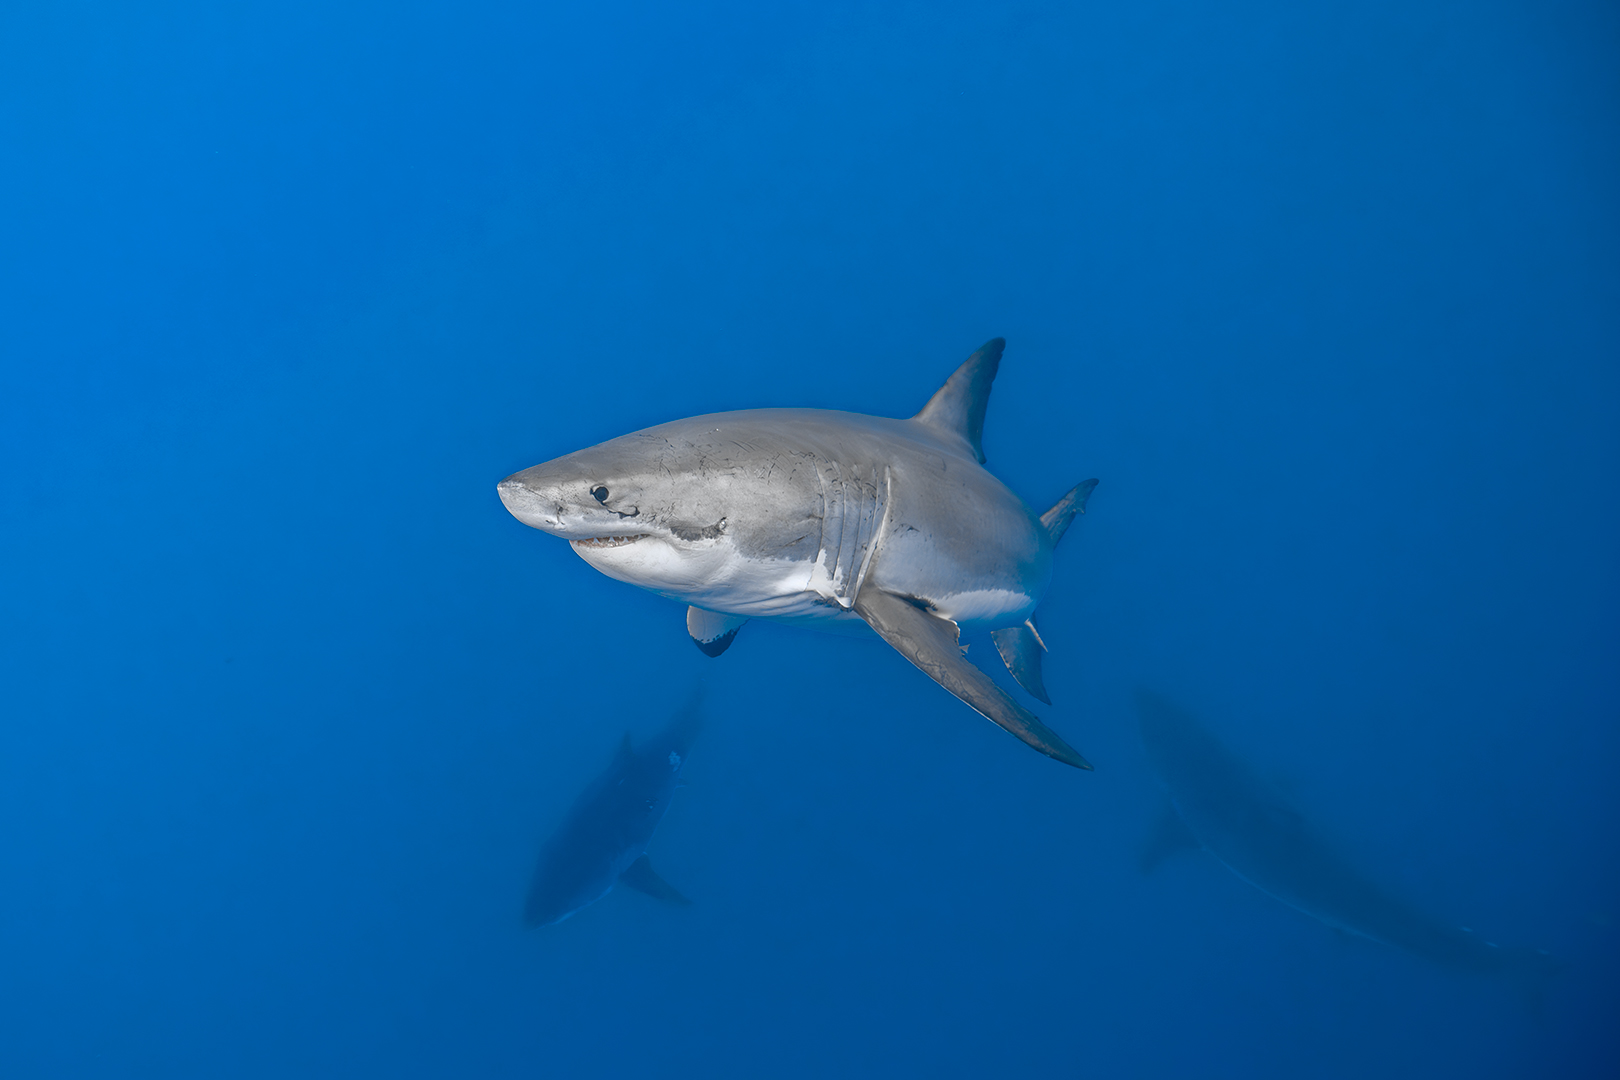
(643,878)
(931,643)
(711,631)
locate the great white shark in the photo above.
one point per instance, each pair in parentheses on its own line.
(603,840)
(1219,804)
(830,519)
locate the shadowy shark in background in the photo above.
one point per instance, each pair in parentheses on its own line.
(1220,805)
(604,838)
(831,519)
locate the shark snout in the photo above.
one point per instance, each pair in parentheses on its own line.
(533,508)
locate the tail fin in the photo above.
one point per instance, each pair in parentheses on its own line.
(1057,519)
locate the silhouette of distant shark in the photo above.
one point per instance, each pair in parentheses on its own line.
(603,840)
(1220,805)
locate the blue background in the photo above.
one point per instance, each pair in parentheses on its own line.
(1329,297)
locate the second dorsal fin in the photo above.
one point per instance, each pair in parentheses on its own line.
(957,409)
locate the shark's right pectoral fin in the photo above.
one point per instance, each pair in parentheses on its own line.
(711,631)
(931,643)
(643,878)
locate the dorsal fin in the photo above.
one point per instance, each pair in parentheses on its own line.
(1057,519)
(957,409)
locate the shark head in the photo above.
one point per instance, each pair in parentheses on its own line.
(629,507)
(585,497)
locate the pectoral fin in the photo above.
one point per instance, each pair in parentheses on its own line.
(643,878)
(711,631)
(931,643)
(1169,835)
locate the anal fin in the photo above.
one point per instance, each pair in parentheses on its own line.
(643,878)
(930,643)
(711,631)
(1020,648)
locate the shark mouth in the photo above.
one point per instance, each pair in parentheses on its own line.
(609,541)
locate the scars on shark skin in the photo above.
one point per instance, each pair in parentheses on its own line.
(830,519)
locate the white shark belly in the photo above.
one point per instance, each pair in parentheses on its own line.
(717,577)
(986,609)
(714,576)
(982,579)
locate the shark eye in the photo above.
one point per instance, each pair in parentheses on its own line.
(600,494)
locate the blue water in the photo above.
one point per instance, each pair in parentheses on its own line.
(1328,297)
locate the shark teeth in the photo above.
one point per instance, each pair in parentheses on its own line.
(610,541)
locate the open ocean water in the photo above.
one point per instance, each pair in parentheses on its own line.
(1327,296)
